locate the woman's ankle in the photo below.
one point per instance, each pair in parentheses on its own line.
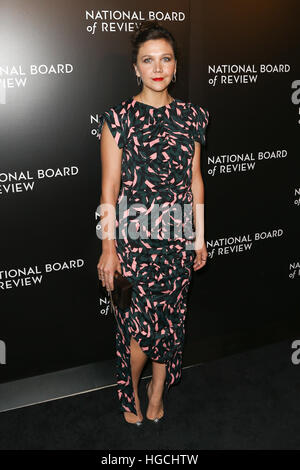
(156,394)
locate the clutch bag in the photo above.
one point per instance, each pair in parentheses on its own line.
(121,295)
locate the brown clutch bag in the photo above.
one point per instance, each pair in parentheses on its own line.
(121,295)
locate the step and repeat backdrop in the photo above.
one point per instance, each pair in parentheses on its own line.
(63,64)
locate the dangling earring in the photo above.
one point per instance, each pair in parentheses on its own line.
(137,79)
(174,76)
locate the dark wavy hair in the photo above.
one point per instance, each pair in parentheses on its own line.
(150,30)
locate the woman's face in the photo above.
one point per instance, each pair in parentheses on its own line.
(155,60)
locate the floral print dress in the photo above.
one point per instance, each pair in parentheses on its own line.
(156,174)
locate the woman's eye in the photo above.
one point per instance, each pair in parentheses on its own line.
(168,59)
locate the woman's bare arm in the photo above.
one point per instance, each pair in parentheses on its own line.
(198,208)
(111,163)
(111,157)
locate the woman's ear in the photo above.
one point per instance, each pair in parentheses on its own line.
(135,68)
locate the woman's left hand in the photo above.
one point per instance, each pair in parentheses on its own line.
(200,258)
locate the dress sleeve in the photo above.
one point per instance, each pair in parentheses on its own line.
(115,124)
(199,123)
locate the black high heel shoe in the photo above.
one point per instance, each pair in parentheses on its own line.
(158,420)
(137,423)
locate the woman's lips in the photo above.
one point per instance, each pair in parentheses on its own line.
(157,79)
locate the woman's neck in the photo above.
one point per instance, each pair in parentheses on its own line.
(155,101)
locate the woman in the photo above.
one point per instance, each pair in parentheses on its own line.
(151,144)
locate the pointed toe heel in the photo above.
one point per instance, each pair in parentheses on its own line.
(137,423)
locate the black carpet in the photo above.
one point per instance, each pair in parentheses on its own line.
(246,401)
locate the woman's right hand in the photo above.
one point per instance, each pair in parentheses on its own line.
(107,265)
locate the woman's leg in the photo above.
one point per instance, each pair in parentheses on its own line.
(137,360)
(155,391)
